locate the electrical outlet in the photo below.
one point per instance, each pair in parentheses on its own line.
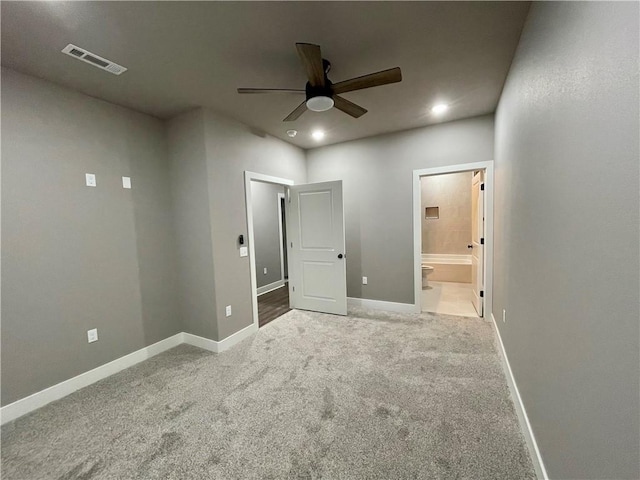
(244,251)
(92,335)
(504,315)
(90,179)
(364,280)
(227,310)
(265,270)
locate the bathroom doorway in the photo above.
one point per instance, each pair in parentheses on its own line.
(452,239)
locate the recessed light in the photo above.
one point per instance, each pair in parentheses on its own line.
(292,133)
(440,108)
(318,135)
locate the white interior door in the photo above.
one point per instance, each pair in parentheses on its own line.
(477,240)
(315,237)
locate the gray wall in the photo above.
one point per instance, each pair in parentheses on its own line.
(377,176)
(190,189)
(566,245)
(209,155)
(232,148)
(266,231)
(76,257)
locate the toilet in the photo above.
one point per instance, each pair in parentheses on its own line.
(426,270)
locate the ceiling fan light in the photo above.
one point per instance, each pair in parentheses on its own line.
(320,103)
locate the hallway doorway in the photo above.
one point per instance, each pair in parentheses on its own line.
(274,302)
(266,228)
(313,226)
(268,237)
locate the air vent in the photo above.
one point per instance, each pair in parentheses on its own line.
(93,59)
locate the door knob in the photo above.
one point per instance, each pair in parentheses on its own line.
(340,255)
(469,246)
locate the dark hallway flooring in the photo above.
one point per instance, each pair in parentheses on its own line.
(273,304)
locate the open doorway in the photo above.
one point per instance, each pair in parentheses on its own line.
(269,234)
(315,245)
(451,249)
(266,227)
(452,239)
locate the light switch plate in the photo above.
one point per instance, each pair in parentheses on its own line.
(91,179)
(244,251)
(364,280)
(265,270)
(227,310)
(92,335)
(126,182)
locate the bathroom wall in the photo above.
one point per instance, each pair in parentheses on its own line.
(451,232)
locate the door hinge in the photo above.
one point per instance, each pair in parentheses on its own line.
(482,186)
(291,244)
(482,241)
(481,293)
(293,289)
(288,195)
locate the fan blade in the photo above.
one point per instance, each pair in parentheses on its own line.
(269,90)
(312,61)
(350,108)
(384,77)
(300,109)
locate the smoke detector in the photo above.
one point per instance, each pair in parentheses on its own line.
(93,59)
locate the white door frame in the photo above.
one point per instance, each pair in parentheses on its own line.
(248,178)
(281,228)
(488,227)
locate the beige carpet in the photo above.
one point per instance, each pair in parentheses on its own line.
(368,396)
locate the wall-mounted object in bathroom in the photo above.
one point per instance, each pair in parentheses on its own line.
(431,213)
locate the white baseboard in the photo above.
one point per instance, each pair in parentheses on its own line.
(381,305)
(200,342)
(223,344)
(231,340)
(527,431)
(270,287)
(40,399)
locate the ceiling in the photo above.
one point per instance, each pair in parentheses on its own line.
(182,55)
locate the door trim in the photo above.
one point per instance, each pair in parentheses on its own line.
(487,166)
(281,228)
(248,178)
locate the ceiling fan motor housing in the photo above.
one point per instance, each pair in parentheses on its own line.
(325,91)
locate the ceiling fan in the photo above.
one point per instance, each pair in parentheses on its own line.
(321,93)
